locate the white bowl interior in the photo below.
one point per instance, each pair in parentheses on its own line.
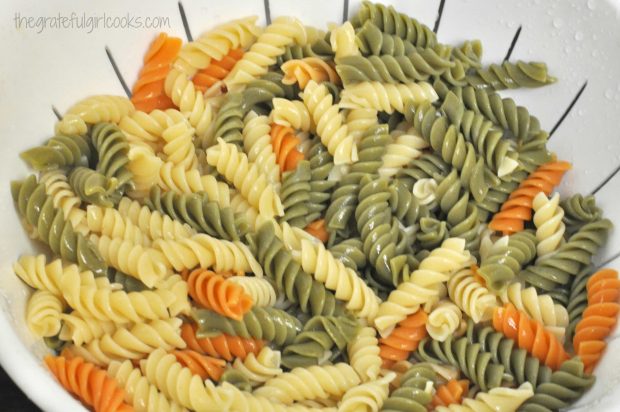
(578,39)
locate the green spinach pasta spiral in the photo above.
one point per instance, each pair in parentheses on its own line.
(350,252)
(228,123)
(199,212)
(38,211)
(379,231)
(418,66)
(392,22)
(504,262)
(271,324)
(321,164)
(497,152)
(476,364)
(344,198)
(429,165)
(566,385)
(502,112)
(577,300)
(461,214)
(432,233)
(262,91)
(372,41)
(298,286)
(504,351)
(60,151)
(579,210)
(320,49)
(128,283)
(319,335)
(445,139)
(511,76)
(499,193)
(555,273)
(94,187)
(412,395)
(112,148)
(295,193)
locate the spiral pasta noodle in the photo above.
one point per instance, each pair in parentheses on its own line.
(136,342)
(310,68)
(91,110)
(530,335)
(318,230)
(214,292)
(450,393)
(420,288)
(472,297)
(511,76)
(246,177)
(261,367)
(386,97)
(43,313)
(599,317)
(368,396)
(154,224)
(143,395)
(284,144)
(260,290)
(387,19)
(57,186)
(38,210)
(518,208)
(330,125)
(550,229)
(314,382)
(148,91)
(505,399)
(414,391)
(89,383)
(81,329)
(407,146)
(404,339)
(363,351)
(204,366)
(444,320)
(60,151)
(579,210)
(110,222)
(217,70)
(222,346)
(257,144)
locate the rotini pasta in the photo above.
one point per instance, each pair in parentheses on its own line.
(310,68)
(444,320)
(217,70)
(472,297)
(386,97)
(284,143)
(548,215)
(257,144)
(214,292)
(204,366)
(43,313)
(504,399)
(259,368)
(91,110)
(404,339)
(260,290)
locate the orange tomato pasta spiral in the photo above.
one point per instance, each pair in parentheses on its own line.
(404,339)
(222,346)
(451,392)
(518,208)
(89,383)
(284,142)
(207,367)
(148,91)
(599,317)
(318,230)
(216,70)
(214,292)
(310,68)
(530,335)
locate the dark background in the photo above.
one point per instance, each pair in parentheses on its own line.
(12,398)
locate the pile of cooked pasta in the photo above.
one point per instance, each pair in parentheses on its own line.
(283,218)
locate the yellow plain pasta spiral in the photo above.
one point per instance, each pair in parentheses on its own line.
(330,124)
(282,32)
(153,223)
(363,351)
(179,148)
(367,397)
(110,222)
(407,146)
(57,186)
(291,113)
(144,263)
(422,287)
(81,329)
(205,251)
(43,313)
(180,385)
(386,97)
(135,342)
(444,320)
(314,382)
(344,41)
(146,129)
(260,289)
(177,179)
(145,168)
(259,368)
(257,144)
(91,110)
(143,395)
(550,228)
(473,298)
(246,177)
(497,399)
(359,121)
